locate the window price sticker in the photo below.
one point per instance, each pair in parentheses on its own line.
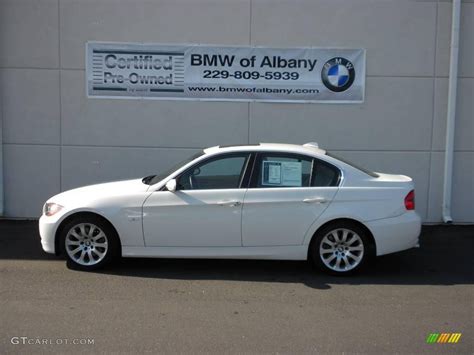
(281,173)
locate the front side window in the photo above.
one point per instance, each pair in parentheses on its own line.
(153,179)
(216,173)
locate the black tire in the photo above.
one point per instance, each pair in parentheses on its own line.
(341,250)
(109,246)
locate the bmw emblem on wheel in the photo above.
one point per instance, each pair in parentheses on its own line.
(338,74)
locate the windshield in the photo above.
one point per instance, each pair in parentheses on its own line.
(153,179)
(364,170)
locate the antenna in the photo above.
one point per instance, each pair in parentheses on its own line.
(311,145)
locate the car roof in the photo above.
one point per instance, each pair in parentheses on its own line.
(307,148)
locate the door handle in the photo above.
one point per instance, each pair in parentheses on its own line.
(315,200)
(229,203)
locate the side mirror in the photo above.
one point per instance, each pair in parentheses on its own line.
(171,185)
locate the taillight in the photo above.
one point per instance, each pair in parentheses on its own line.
(410,200)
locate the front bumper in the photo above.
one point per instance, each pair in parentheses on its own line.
(396,234)
(47,230)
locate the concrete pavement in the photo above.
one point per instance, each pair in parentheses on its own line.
(191,306)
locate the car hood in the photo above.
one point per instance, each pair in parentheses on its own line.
(87,194)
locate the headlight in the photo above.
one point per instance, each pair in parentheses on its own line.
(51,208)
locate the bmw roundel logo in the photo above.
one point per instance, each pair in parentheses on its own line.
(338,74)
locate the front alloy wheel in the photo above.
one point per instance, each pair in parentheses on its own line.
(86,244)
(89,242)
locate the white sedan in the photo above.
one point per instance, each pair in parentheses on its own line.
(262,201)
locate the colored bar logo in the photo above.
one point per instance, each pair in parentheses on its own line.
(441,338)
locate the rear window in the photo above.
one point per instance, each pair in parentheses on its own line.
(364,170)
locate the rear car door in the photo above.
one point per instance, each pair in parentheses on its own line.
(287,193)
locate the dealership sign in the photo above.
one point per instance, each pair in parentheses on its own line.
(198,72)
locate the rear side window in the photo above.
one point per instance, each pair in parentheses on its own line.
(325,174)
(274,170)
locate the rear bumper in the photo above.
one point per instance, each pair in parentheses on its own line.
(396,234)
(47,230)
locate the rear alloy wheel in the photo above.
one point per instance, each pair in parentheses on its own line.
(340,249)
(88,244)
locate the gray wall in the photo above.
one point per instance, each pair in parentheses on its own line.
(54,138)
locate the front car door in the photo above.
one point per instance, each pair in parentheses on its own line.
(206,208)
(287,193)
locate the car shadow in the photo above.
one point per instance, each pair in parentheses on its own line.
(444,258)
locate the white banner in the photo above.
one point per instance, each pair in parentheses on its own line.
(197,72)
